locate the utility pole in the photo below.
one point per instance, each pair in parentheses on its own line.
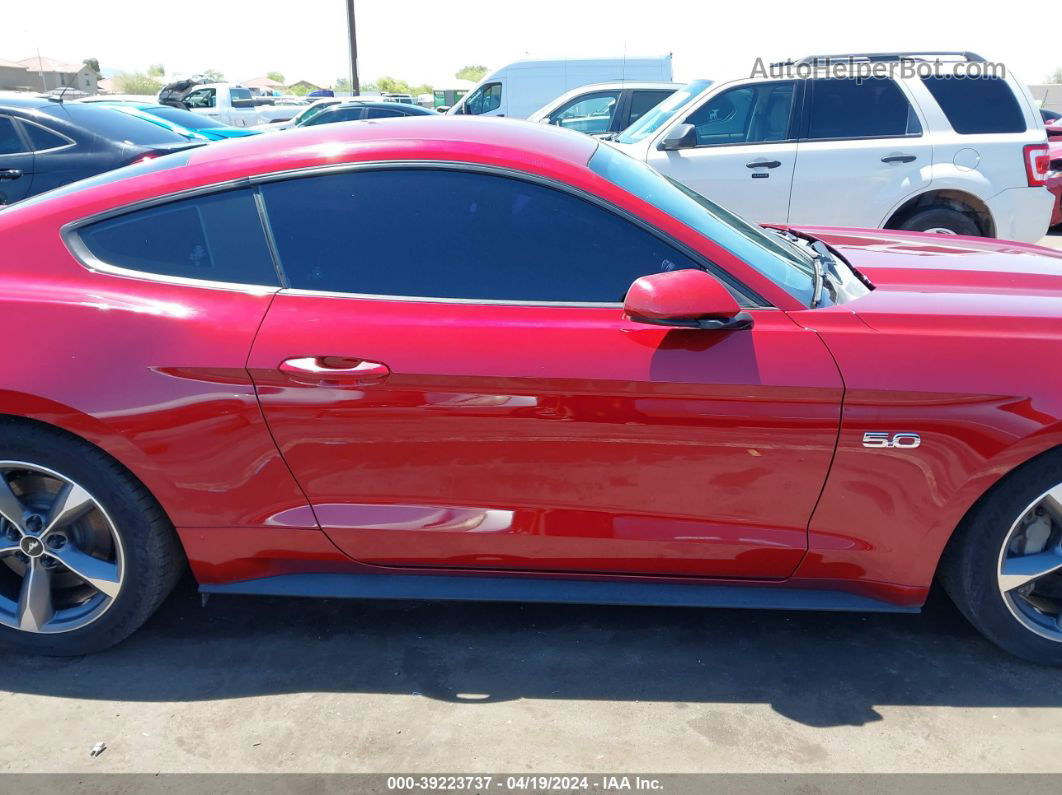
(355,83)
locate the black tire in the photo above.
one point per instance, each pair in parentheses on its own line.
(154,559)
(968,569)
(956,222)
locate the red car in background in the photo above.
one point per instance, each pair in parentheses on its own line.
(1052,123)
(579,382)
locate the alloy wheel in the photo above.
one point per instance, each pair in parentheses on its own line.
(940,230)
(1030,566)
(61,559)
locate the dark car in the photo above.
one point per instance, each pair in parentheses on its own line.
(359,111)
(45,143)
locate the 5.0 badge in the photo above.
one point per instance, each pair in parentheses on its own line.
(906,441)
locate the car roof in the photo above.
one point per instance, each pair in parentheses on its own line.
(539,149)
(26,102)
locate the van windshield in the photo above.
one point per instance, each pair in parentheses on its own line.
(660,115)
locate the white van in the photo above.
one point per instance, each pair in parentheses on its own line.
(521,88)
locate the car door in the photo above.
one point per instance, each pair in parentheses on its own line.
(16,162)
(745,150)
(480,400)
(861,153)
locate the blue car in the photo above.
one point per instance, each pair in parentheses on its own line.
(193,126)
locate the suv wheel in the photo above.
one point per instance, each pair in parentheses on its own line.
(941,220)
(86,554)
(1004,568)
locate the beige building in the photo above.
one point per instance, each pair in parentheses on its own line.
(45,74)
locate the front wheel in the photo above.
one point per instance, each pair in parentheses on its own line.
(1004,568)
(86,554)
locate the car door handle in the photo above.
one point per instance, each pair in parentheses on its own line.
(898,158)
(328,370)
(10,173)
(763,164)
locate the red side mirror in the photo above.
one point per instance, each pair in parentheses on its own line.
(685,298)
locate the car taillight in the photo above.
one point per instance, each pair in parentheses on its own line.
(1037,162)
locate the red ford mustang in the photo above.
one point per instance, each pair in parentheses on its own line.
(457,359)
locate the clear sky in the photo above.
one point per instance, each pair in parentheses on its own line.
(428,40)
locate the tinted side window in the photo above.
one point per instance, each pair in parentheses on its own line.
(756,113)
(382,113)
(486,98)
(241,98)
(872,107)
(977,104)
(590,113)
(643,100)
(43,139)
(10,141)
(480,237)
(217,238)
(334,115)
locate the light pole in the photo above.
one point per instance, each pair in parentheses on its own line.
(355,84)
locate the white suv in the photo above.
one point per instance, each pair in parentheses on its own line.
(939,153)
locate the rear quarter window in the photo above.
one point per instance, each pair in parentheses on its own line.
(976,105)
(215,238)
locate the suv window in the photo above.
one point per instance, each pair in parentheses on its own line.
(485,99)
(643,100)
(590,113)
(870,107)
(756,113)
(10,140)
(217,238)
(977,104)
(201,98)
(352,113)
(487,238)
(42,139)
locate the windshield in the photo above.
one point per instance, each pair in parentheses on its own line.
(185,118)
(780,262)
(658,116)
(115,125)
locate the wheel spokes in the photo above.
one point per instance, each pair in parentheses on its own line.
(71,503)
(102,575)
(11,507)
(8,550)
(35,599)
(1052,503)
(1022,570)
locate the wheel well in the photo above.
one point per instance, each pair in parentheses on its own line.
(957,200)
(16,421)
(1003,482)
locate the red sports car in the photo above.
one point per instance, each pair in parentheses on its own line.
(490,360)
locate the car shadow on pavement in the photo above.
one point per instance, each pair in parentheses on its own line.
(819,669)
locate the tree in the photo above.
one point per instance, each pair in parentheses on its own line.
(213,75)
(343,84)
(275,76)
(136,83)
(1056,76)
(300,90)
(92,64)
(156,70)
(473,73)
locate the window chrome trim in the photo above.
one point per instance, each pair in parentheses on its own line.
(67,145)
(70,236)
